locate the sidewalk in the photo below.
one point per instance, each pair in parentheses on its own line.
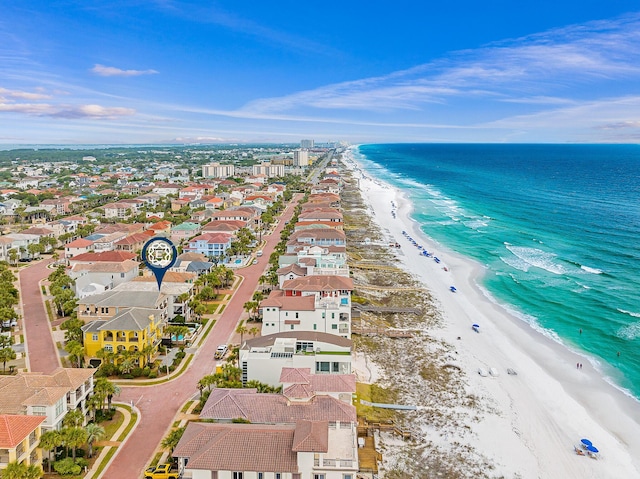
(110,444)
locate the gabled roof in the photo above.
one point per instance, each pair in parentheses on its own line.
(15,428)
(212,238)
(292,268)
(130,319)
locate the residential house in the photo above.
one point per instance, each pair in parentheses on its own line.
(184,231)
(316,236)
(61,205)
(306,449)
(178,204)
(93,278)
(213,245)
(313,260)
(135,242)
(108,242)
(135,329)
(309,303)
(161,228)
(19,439)
(166,189)
(106,256)
(77,247)
(264,358)
(299,436)
(49,395)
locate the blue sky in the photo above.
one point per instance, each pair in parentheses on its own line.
(168,71)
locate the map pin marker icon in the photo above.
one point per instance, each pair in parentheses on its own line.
(159,254)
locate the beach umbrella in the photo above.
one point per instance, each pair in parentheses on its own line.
(476,325)
(586,442)
(592,448)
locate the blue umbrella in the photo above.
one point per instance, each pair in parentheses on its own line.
(586,442)
(592,448)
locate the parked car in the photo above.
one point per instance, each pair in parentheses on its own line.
(259,253)
(221,351)
(162,471)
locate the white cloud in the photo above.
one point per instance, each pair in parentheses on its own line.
(23,95)
(106,71)
(67,111)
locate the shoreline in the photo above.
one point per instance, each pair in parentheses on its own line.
(550,404)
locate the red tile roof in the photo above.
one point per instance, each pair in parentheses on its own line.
(228,404)
(239,447)
(111,256)
(277,299)
(15,428)
(79,243)
(324,283)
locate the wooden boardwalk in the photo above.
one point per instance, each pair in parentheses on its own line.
(390,333)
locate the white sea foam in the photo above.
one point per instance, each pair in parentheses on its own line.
(630,313)
(516,263)
(630,332)
(591,270)
(537,258)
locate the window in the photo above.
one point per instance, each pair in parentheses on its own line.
(94,337)
(334,326)
(292,326)
(335,367)
(296,315)
(108,347)
(347,476)
(39,410)
(237,475)
(318,476)
(322,367)
(315,327)
(278,475)
(333,315)
(60,407)
(261,475)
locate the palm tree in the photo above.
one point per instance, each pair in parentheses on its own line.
(146,351)
(76,352)
(20,470)
(241,330)
(254,331)
(6,354)
(73,418)
(50,440)
(13,256)
(172,439)
(94,433)
(74,437)
(105,390)
(93,404)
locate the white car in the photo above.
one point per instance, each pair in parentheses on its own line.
(482,372)
(221,351)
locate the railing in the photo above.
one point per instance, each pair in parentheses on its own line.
(336,463)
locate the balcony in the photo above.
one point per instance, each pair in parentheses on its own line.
(334,463)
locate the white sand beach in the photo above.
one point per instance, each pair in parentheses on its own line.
(538,415)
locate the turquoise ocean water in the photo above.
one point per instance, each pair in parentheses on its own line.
(556,226)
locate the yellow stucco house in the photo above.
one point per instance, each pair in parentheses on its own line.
(131,329)
(19,439)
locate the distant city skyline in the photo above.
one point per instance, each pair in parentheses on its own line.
(187,71)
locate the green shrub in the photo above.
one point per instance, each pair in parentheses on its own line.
(136,372)
(153,374)
(66,467)
(82,462)
(128,376)
(146,371)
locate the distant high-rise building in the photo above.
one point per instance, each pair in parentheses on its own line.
(216,170)
(268,169)
(306,144)
(300,158)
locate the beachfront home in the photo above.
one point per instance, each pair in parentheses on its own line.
(304,449)
(19,440)
(317,236)
(309,303)
(264,358)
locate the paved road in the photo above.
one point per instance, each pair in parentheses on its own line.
(159,404)
(43,355)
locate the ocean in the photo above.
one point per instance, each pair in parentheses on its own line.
(557,228)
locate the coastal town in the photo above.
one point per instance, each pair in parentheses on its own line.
(304,327)
(244,346)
